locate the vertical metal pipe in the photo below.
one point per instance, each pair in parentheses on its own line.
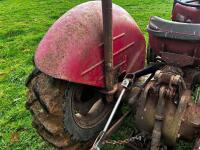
(108,45)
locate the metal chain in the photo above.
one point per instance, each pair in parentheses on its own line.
(123,142)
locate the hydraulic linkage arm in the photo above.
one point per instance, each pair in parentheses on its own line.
(127,83)
(97,144)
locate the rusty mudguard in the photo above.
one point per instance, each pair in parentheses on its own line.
(72,49)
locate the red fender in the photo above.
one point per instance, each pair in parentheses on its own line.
(72,49)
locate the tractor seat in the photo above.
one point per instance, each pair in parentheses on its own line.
(173,30)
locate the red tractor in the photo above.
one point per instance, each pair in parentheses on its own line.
(92,59)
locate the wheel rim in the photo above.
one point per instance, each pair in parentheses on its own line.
(89,107)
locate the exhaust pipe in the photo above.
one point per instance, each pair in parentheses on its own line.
(108,47)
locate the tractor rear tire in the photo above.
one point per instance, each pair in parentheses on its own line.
(86,111)
(45,102)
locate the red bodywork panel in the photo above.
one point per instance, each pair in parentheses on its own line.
(186,48)
(72,49)
(176,43)
(187,14)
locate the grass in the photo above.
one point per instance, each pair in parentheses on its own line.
(22,25)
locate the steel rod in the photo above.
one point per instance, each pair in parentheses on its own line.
(114,110)
(108,45)
(116,125)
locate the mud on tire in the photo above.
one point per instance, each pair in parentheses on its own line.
(45,100)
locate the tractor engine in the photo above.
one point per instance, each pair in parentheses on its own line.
(168,106)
